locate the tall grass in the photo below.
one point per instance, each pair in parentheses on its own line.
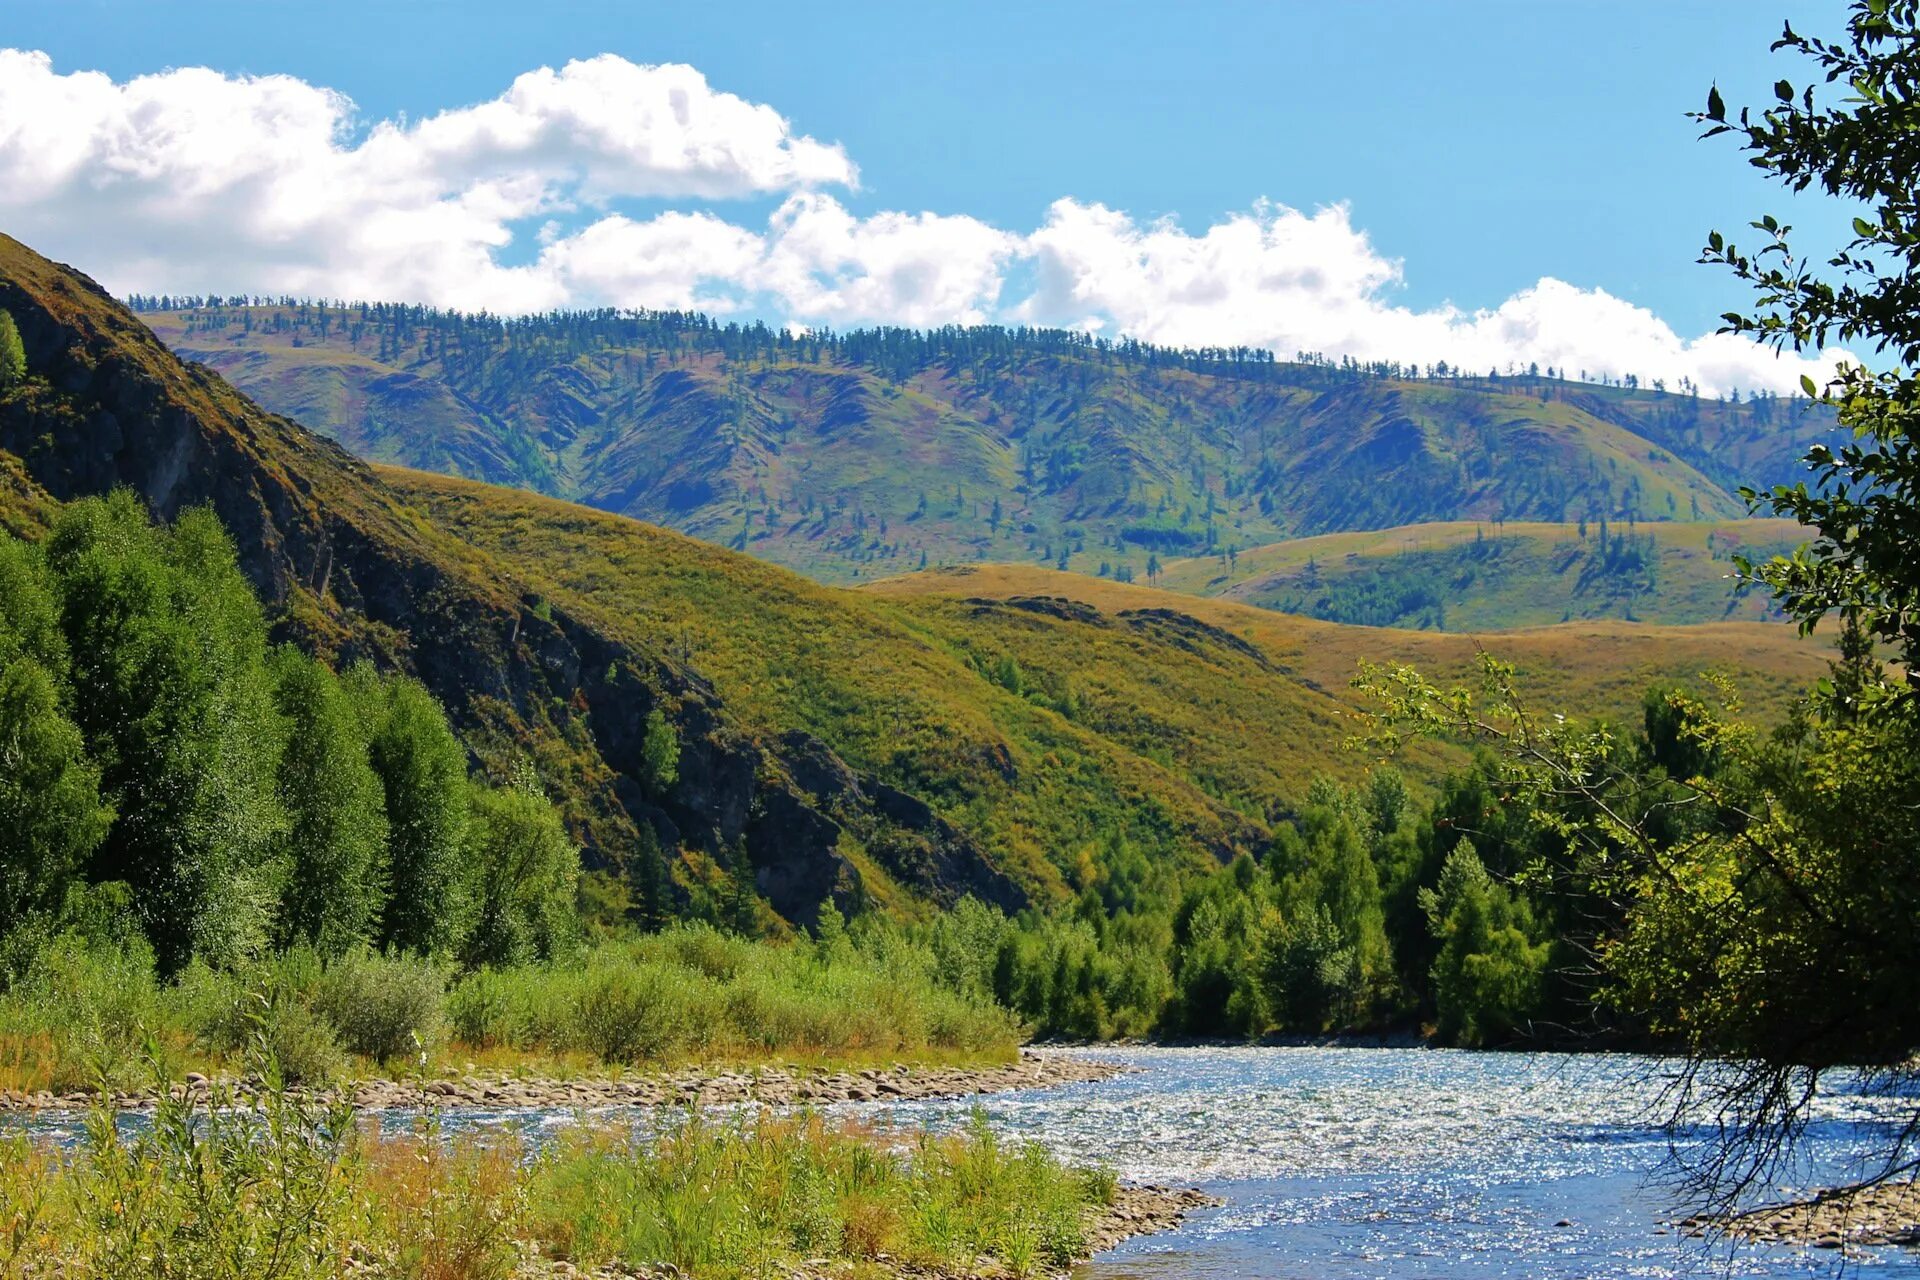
(277,1187)
(82,1013)
(750,1196)
(693,993)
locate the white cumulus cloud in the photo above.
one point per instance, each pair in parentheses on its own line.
(191,180)
(1293,282)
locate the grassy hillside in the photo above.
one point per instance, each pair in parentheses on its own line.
(1049,711)
(1590,668)
(1478,576)
(946,735)
(878,453)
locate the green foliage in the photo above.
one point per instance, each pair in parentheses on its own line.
(660,754)
(51,815)
(170,688)
(382,1007)
(336,836)
(1488,977)
(79,1011)
(149,738)
(754,1195)
(523,872)
(691,992)
(13,356)
(422,770)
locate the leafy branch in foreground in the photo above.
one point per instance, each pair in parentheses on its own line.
(1862,148)
(1749,895)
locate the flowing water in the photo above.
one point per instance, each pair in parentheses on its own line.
(1342,1163)
(1396,1163)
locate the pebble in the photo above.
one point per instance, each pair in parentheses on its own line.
(1888,1214)
(775,1086)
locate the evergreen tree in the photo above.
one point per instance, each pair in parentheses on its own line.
(1488,979)
(742,902)
(659,754)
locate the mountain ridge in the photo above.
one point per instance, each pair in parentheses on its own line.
(877,452)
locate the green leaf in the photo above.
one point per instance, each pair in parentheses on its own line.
(1806,385)
(1716,107)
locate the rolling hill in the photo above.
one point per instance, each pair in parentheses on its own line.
(874,453)
(1474,576)
(989,731)
(1051,711)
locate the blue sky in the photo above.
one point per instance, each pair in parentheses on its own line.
(1481,146)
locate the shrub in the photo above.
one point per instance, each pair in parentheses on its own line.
(382,1006)
(623,1013)
(80,1012)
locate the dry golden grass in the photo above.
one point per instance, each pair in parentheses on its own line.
(1589,668)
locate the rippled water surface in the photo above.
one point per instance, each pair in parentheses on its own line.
(1402,1163)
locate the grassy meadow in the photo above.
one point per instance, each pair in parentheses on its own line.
(1472,576)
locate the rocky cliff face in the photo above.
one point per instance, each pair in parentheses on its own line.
(353,572)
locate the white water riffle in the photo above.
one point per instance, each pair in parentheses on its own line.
(1388,1163)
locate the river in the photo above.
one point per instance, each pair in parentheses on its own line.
(1389,1163)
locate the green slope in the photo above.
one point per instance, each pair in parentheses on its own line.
(1044,712)
(878,453)
(953,734)
(1473,576)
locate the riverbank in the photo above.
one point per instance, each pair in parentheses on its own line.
(696,1195)
(1888,1214)
(694,1087)
(1133,1212)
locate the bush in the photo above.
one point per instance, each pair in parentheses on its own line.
(623,1013)
(301,1041)
(691,991)
(382,1006)
(80,1012)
